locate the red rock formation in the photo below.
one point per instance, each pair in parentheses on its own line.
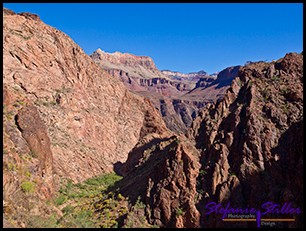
(164,170)
(140,75)
(62,112)
(243,140)
(166,88)
(251,152)
(34,131)
(92,120)
(126,60)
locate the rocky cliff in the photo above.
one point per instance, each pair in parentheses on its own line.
(143,66)
(139,75)
(64,117)
(248,152)
(177,96)
(252,140)
(192,76)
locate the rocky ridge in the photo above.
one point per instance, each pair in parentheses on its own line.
(64,117)
(250,138)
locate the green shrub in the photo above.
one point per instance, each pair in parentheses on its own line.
(28,174)
(11,167)
(202,173)
(69,185)
(68,209)
(139,204)
(45,103)
(284,91)
(89,204)
(285,108)
(83,217)
(239,83)
(41,222)
(27,187)
(179,212)
(249,84)
(10,115)
(106,180)
(266,95)
(21,102)
(232,174)
(61,199)
(176,140)
(275,78)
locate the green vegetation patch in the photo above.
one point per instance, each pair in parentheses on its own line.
(90,204)
(179,212)
(107,180)
(27,186)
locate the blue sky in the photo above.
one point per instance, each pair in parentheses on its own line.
(180,37)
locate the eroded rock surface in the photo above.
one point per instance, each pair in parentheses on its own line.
(64,117)
(177,96)
(248,152)
(93,121)
(251,141)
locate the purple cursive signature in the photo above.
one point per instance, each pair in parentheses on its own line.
(266,208)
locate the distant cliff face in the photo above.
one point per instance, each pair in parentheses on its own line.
(177,96)
(193,76)
(226,76)
(139,74)
(143,66)
(64,117)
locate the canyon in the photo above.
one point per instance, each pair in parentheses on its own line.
(108,140)
(177,96)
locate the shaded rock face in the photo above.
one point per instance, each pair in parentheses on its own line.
(165,170)
(228,74)
(248,140)
(30,16)
(213,88)
(34,131)
(204,82)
